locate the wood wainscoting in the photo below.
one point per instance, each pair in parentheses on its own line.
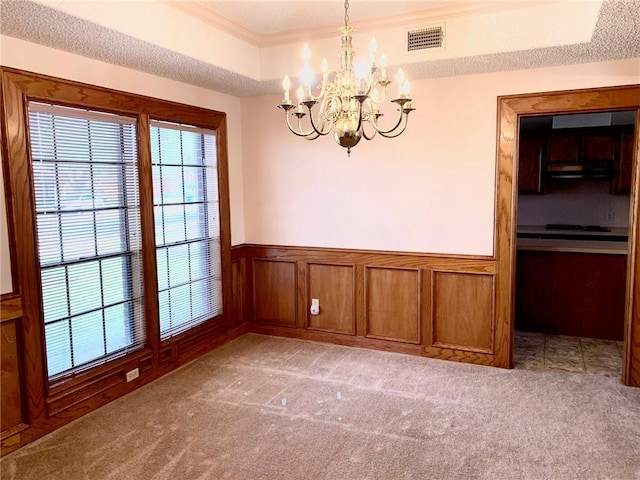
(432,305)
(13,419)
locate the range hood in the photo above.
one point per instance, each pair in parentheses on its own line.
(580,170)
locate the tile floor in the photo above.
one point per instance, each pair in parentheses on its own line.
(571,354)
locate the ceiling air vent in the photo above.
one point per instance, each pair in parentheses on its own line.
(425,38)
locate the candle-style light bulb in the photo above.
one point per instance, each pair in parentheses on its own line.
(361,74)
(306,52)
(406,88)
(400,78)
(324,65)
(375,99)
(373,46)
(300,93)
(383,66)
(286,84)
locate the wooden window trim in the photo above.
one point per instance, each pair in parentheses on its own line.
(16,90)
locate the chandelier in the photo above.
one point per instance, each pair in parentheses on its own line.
(349,100)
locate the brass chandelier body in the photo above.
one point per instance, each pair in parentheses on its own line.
(349,99)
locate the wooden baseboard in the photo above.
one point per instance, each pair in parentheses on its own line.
(337,339)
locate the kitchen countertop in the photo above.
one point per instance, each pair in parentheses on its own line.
(573,245)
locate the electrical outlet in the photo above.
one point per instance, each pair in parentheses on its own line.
(133,374)
(315,306)
(610,216)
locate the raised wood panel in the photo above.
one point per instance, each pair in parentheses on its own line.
(274,292)
(420,267)
(238,281)
(462,311)
(11,414)
(334,286)
(393,304)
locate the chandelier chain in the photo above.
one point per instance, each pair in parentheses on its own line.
(346,13)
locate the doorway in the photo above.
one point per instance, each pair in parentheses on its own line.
(510,110)
(574,185)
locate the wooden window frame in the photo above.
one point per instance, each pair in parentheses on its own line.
(17,89)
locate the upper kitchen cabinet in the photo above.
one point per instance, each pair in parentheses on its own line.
(530,164)
(599,147)
(563,148)
(557,151)
(590,146)
(622,181)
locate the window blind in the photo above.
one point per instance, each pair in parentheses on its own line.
(187,225)
(88,230)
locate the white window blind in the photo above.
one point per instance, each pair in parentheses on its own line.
(186,209)
(88,228)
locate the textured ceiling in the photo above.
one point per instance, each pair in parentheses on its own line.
(616,36)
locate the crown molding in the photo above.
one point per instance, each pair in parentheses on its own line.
(199,10)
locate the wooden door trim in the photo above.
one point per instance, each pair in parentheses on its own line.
(510,108)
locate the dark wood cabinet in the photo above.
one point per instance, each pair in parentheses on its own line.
(563,148)
(583,147)
(624,171)
(577,294)
(530,164)
(609,149)
(599,147)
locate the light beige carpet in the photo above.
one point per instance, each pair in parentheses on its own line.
(272,408)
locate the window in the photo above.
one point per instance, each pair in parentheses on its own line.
(187,225)
(84,167)
(100,297)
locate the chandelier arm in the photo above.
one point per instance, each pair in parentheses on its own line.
(360,126)
(367,137)
(299,133)
(384,133)
(315,129)
(394,134)
(311,138)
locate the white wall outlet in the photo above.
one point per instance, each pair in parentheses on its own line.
(611,216)
(133,374)
(315,306)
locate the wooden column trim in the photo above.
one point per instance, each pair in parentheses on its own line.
(147,222)
(23,228)
(225,220)
(631,360)
(505,234)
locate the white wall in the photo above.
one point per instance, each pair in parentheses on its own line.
(430,190)
(35,58)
